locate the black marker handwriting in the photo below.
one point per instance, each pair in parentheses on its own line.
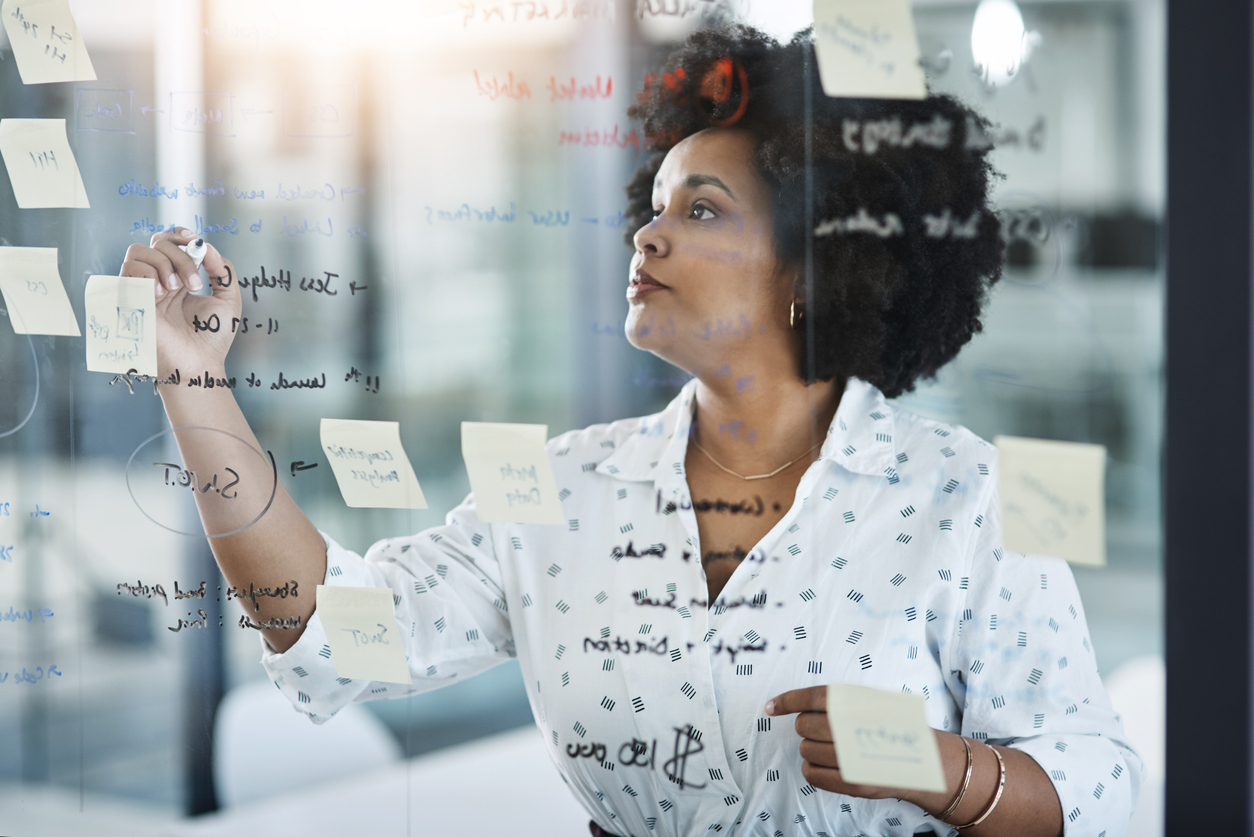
(640,753)
(731,650)
(225,283)
(659,647)
(657,550)
(637,749)
(274,623)
(212,324)
(209,382)
(756,508)
(671,602)
(187,479)
(372,381)
(587,751)
(194,593)
(737,554)
(131,376)
(675,766)
(283,279)
(140,589)
(191,623)
(240,324)
(320,286)
(307,383)
(288,588)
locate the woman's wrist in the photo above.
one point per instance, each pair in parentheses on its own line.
(953,755)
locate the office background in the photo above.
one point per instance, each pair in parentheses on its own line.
(458,166)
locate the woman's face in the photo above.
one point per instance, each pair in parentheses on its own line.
(705,285)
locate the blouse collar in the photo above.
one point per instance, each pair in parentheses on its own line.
(859,439)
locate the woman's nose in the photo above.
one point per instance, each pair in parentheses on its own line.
(652,239)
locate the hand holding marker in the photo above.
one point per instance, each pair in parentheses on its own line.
(197,250)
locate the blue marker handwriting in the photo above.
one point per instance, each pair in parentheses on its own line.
(155,190)
(466,212)
(325,192)
(28,615)
(209,191)
(28,677)
(303,227)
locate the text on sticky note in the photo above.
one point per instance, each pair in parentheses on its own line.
(510,473)
(362,632)
(41,165)
(121,324)
(882,738)
(370,464)
(867,48)
(1053,498)
(33,293)
(45,41)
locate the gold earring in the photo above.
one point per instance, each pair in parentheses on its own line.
(795,313)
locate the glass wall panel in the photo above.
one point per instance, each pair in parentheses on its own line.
(424,203)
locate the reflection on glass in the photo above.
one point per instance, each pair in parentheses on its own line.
(424,205)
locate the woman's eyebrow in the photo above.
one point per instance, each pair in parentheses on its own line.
(695,180)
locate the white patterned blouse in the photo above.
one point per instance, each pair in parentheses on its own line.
(888,571)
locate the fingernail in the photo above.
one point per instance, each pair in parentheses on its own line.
(174,282)
(770,707)
(194,282)
(160,290)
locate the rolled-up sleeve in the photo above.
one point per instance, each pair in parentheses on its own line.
(1021,659)
(449,605)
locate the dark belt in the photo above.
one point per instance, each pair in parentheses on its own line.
(598,831)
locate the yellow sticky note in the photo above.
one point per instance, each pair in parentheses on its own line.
(362,632)
(882,738)
(370,464)
(41,165)
(510,473)
(45,41)
(33,293)
(1052,498)
(867,48)
(121,320)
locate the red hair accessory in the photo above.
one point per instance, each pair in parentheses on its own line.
(717,86)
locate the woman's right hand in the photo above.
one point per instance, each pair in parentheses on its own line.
(194,332)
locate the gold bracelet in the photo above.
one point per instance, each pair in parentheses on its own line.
(1001,785)
(965,782)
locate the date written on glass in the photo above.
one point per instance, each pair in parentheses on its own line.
(213,324)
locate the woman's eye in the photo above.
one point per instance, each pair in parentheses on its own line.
(653,213)
(701,212)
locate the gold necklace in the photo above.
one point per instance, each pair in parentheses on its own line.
(753,476)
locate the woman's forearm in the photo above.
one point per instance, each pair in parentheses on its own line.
(274,543)
(1028,807)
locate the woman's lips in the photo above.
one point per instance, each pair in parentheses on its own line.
(642,284)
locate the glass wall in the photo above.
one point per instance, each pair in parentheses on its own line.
(426,201)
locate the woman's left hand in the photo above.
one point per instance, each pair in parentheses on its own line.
(820,766)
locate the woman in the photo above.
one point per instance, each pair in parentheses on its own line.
(778,527)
